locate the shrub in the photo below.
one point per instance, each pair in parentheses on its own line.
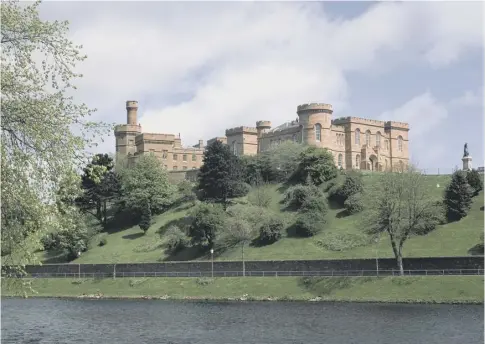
(318,164)
(475,181)
(103,242)
(296,195)
(240,189)
(458,197)
(48,241)
(354,204)
(176,240)
(186,190)
(271,229)
(146,219)
(345,187)
(260,196)
(311,218)
(207,220)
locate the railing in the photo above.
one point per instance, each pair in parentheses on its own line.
(327,273)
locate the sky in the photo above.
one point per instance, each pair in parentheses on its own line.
(197,68)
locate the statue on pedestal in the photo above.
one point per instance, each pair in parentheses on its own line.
(465,150)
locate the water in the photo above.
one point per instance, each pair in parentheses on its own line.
(152,321)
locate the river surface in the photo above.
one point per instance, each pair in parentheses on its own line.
(169,322)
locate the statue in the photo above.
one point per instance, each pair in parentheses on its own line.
(465,150)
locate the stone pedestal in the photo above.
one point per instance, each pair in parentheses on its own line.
(467,163)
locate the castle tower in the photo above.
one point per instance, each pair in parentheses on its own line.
(125,133)
(315,120)
(262,127)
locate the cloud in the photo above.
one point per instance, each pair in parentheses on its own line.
(198,69)
(469,99)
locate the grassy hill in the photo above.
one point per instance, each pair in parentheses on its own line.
(453,239)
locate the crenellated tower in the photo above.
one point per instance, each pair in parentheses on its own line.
(262,127)
(125,133)
(315,122)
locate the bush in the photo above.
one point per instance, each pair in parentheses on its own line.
(271,229)
(103,242)
(458,197)
(475,181)
(311,217)
(345,187)
(176,240)
(354,204)
(186,190)
(240,189)
(316,163)
(296,195)
(146,219)
(260,196)
(207,220)
(48,241)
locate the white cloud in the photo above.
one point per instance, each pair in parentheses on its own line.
(242,62)
(469,99)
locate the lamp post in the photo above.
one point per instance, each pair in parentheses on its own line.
(377,253)
(212,262)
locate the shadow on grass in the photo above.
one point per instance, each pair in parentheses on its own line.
(55,257)
(334,205)
(133,236)
(327,285)
(292,232)
(343,213)
(120,222)
(476,250)
(182,223)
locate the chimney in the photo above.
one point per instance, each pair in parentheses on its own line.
(201,143)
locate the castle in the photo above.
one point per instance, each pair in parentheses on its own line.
(356,143)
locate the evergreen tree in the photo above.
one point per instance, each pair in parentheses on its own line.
(475,181)
(316,163)
(146,218)
(458,197)
(220,176)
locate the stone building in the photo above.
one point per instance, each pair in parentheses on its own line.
(356,143)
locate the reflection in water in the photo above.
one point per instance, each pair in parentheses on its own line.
(134,321)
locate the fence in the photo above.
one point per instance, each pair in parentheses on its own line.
(326,273)
(440,171)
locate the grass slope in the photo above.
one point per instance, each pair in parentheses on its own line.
(453,239)
(431,289)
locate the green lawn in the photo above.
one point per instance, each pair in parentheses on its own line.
(435,289)
(454,239)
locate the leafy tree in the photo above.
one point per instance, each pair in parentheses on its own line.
(297,195)
(146,184)
(176,239)
(220,175)
(101,185)
(316,163)
(186,190)
(354,203)
(458,196)
(400,207)
(38,147)
(475,181)
(271,229)
(207,221)
(352,184)
(146,218)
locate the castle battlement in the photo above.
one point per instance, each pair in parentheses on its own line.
(314,106)
(241,130)
(123,128)
(394,124)
(263,124)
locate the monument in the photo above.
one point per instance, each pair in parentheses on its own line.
(467,159)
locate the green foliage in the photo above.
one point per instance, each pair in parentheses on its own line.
(475,180)
(271,229)
(354,203)
(103,242)
(311,217)
(240,189)
(318,164)
(296,195)
(186,190)
(39,147)
(207,221)
(349,184)
(176,240)
(220,176)
(260,195)
(146,182)
(458,196)
(146,219)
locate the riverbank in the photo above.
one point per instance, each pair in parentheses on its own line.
(422,289)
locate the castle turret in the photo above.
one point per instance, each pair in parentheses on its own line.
(125,133)
(315,120)
(131,112)
(262,127)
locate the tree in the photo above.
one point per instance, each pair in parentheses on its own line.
(146,218)
(220,175)
(475,181)
(261,193)
(39,147)
(400,206)
(145,184)
(100,185)
(207,221)
(458,197)
(316,163)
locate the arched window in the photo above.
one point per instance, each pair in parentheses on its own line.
(357,161)
(318,132)
(367,138)
(340,158)
(234,148)
(399,143)
(357,136)
(378,139)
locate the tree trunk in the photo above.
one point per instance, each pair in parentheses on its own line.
(105,220)
(243,264)
(399,263)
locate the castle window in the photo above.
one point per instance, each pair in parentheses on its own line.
(357,161)
(367,138)
(194,157)
(234,148)
(387,144)
(175,157)
(131,142)
(357,137)
(175,168)
(399,143)
(318,132)
(184,167)
(164,154)
(340,158)
(378,139)
(184,157)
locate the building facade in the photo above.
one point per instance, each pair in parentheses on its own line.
(356,143)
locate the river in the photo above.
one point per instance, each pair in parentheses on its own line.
(168,322)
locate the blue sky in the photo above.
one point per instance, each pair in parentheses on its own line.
(199,68)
